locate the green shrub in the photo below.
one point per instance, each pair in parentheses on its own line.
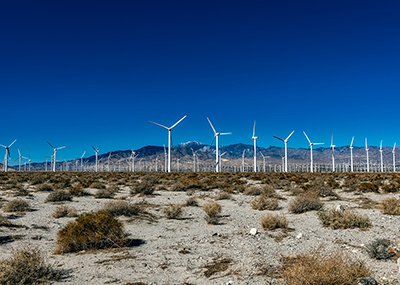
(59,196)
(380,249)
(98,230)
(343,220)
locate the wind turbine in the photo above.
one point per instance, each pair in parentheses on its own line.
(96,150)
(311,154)
(243,160)
(194,159)
(133,156)
(55,155)
(169,139)
(381,152)
(19,158)
(394,157)
(366,149)
(285,141)
(220,158)
(351,154)
(263,161)
(108,162)
(216,137)
(165,159)
(7,155)
(333,154)
(82,160)
(255,147)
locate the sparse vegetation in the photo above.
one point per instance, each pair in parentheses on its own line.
(59,196)
(212,209)
(380,249)
(123,208)
(104,193)
(44,188)
(272,222)
(65,211)
(17,205)
(192,202)
(343,220)
(262,203)
(304,203)
(219,264)
(390,206)
(368,187)
(91,231)
(173,211)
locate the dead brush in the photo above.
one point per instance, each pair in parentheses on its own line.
(212,209)
(343,220)
(192,202)
(64,211)
(28,266)
(123,208)
(219,264)
(390,206)
(17,205)
(304,203)
(59,196)
(105,193)
(262,203)
(44,188)
(173,211)
(272,222)
(380,249)
(320,267)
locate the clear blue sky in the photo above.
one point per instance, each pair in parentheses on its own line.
(83,73)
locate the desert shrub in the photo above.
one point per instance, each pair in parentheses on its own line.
(104,193)
(173,211)
(271,222)
(59,196)
(332,183)
(212,209)
(391,188)
(351,184)
(262,203)
(64,211)
(343,220)
(27,266)
(45,188)
(319,188)
(304,203)
(191,202)
(4,222)
(97,185)
(253,190)
(21,192)
(390,206)
(39,179)
(122,208)
(77,191)
(380,249)
(145,188)
(17,205)
(368,187)
(222,195)
(91,231)
(318,267)
(219,264)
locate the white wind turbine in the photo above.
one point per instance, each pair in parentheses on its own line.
(311,153)
(216,137)
(8,155)
(96,150)
(367,149)
(19,158)
(108,161)
(285,141)
(351,155)
(82,160)
(381,152)
(133,156)
(55,155)
(333,154)
(394,157)
(255,147)
(169,139)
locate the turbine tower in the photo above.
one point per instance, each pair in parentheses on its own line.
(311,154)
(285,141)
(333,154)
(351,155)
(54,155)
(366,149)
(169,139)
(394,157)
(8,155)
(381,152)
(255,147)
(82,160)
(19,158)
(96,150)
(216,136)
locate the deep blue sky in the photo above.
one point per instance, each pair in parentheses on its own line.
(83,73)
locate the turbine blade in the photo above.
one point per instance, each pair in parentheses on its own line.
(381,146)
(213,140)
(60,147)
(225,133)
(279,138)
(178,122)
(249,140)
(98,147)
(254,129)
(307,137)
(332,140)
(289,136)
(211,125)
(93,148)
(352,140)
(394,146)
(19,153)
(83,153)
(3,146)
(50,145)
(318,143)
(159,125)
(12,143)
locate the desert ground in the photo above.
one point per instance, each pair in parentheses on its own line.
(172,240)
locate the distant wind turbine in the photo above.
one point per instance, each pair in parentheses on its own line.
(216,137)
(19,158)
(311,154)
(8,155)
(381,152)
(333,154)
(351,155)
(255,147)
(55,155)
(82,160)
(169,139)
(285,141)
(394,157)
(96,150)
(108,161)
(367,149)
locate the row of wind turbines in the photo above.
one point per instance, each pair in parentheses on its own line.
(217,154)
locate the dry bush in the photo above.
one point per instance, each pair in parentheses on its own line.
(27,266)
(320,188)
(391,188)
(173,211)
(123,208)
(253,190)
(97,185)
(304,203)
(262,203)
(380,249)
(343,220)
(4,222)
(44,188)
(222,195)
(98,230)
(271,222)
(77,191)
(219,264)
(64,211)
(17,205)
(351,184)
(105,193)
(191,202)
(368,187)
(321,268)
(212,209)
(145,188)
(59,196)
(390,206)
